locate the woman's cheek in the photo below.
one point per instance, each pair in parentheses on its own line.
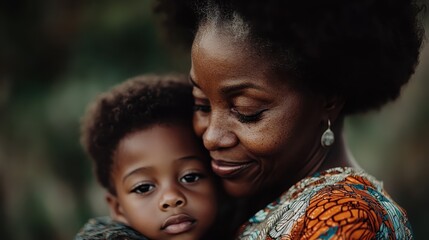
(263,141)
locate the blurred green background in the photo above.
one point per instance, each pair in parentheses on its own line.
(56,55)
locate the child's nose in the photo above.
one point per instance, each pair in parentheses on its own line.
(172,198)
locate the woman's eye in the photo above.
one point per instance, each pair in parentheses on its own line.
(191,177)
(248,118)
(143,188)
(202,108)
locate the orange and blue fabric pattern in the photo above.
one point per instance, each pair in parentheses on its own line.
(340,203)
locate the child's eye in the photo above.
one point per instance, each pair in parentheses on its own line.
(202,108)
(191,177)
(143,188)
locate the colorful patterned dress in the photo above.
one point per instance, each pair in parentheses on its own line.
(340,203)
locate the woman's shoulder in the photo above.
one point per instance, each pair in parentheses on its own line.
(104,228)
(355,206)
(341,202)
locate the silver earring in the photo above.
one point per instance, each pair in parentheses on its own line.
(328,137)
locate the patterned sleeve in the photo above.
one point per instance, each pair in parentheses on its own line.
(353,210)
(104,228)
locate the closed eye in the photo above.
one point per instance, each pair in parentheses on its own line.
(202,108)
(248,118)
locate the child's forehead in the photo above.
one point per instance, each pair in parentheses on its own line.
(161,136)
(153,165)
(160,145)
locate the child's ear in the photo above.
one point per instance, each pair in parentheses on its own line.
(116,210)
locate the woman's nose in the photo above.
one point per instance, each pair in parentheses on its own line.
(217,134)
(172,198)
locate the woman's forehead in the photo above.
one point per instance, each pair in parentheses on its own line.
(231,34)
(213,45)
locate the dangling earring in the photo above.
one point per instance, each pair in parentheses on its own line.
(328,137)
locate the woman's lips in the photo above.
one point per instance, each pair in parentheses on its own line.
(229,169)
(178,224)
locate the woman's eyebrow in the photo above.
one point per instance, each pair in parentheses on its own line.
(229,89)
(238,87)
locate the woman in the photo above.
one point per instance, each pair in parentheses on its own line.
(273,82)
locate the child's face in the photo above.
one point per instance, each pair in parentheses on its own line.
(164,190)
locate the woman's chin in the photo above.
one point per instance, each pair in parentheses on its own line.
(238,189)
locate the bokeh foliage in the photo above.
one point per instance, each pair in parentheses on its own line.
(56,55)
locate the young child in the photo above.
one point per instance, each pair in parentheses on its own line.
(146,156)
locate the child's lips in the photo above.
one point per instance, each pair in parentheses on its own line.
(178,224)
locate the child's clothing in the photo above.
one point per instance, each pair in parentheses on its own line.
(104,228)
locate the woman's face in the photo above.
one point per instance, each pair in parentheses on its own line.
(260,131)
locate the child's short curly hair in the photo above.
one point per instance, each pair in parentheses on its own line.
(136,104)
(363,50)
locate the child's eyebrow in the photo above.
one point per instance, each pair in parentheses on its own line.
(140,169)
(191,157)
(147,169)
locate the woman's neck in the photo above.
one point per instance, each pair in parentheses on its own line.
(339,154)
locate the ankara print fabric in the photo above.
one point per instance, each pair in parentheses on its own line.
(340,203)
(104,228)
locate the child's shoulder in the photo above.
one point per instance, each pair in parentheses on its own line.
(104,228)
